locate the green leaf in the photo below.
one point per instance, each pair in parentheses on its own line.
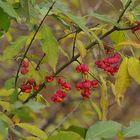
(13,49)
(50,47)
(7,8)
(66,136)
(103,129)
(134,69)
(25,10)
(79,130)
(133,130)
(33,130)
(5,21)
(9,83)
(17,133)
(103,18)
(33,73)
(124,2)
(79,21)
(14,96)
(23,113)
(3,130)
(118,36)
(35,106)
(122,81)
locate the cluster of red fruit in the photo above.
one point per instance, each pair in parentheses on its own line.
(24,67)
(83,68)
(29,86)
(137,27)
(110,64)
(61,93)
(86,85)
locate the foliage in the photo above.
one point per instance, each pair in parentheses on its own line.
(57,47)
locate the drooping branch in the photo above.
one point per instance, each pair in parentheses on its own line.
(88,47)
(25,53)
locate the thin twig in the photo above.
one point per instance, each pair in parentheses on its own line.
(64,119)
(40,61)
(78,30)
(64,36)
(78,55)
(128,4)
(25,53)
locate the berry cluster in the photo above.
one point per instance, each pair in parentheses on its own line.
(86,85)
(28,86)
(60,94)
(137,27)
(83,68)
(24,67)
(110,64)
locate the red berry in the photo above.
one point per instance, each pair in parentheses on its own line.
(61,81)
(66,86)
(56,99)
(49,78)
(94,83)
(24,71)
(58,96)
(79,86)
(36,88)
(31,81)
(87,84)
(83,68)
(86,94)
(27,90)
(25,64)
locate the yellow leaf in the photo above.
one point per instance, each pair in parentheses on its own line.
(33,130)
(122,81)
(5,118)
(15,119)
(134,69)
(104,99)
(32,138)
(23,96)
(5,105)
(5,92)
(128,43)
(41,99)
(81,48)
(97,109)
